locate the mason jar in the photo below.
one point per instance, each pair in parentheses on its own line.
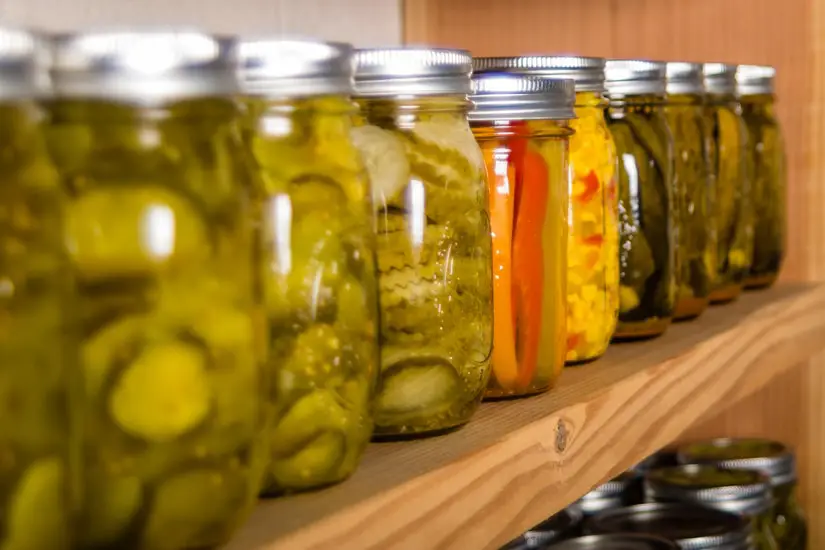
(593,235)
(774,460)
(160,233)
(731,166)
(694,190)
(38,348)
(621,541)
(319,281)
(556,528)
(755,89)
(434,245)
(743,492)
(621,491)
(647,215)
(527,168)
(688,525)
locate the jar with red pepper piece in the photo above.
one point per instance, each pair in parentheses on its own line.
(527,170)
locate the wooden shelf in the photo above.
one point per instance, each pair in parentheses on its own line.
(519,461)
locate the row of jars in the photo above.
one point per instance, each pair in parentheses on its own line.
(198,233)
(721,494)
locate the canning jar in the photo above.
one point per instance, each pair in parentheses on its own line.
(694,189)
(620,541)
(686,524)
(319,280)
(623,490)
(160,235)
(434,245)
(647,217)
(731,167)
(743,492)
(755,88)
(37,344)
(554,529)
(593,236)
(528,173)
(771,458)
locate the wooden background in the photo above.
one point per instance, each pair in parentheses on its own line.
(789,35)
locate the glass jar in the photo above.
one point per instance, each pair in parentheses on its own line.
(755,88)
(694,189)
(593,235)
(771,458)
(647,217)
(160,232)
(319,283)
(623,490)
(527,169)
(743,492)
(37,350)
(731,167)
(434,245)
(554,529)
(620,541)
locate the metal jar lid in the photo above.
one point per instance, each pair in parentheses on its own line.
(738,491)
(553,529)
(620,491)
(272,67)
(143,67)
(771,458)
(692,527)
(755,79)
(661,459)
(634,77)
(588,72)
(412,71)
(503,96)
(23,64)
(623,541)
(684,78)
(720,78)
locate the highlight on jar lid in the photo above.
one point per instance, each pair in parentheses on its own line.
(684,78)
(274,67)
(412,71)
(720,78)
(624,541)
(634,77)
(771,458)
(611,494)
(503,96)
(587,72)
(691,526)
(143,67)
(23,64)
(755,79)
(737,491)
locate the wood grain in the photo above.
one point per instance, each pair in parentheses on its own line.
(519,461)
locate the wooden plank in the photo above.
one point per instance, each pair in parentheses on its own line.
(519,461)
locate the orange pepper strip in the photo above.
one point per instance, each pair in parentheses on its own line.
(591,187)
(595,239)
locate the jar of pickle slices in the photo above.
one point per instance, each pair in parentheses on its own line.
(694,191)
(528,173)
(647,215)
(160,233)
(38,349)
(771,458)
(319,273)
(434,246)
(755,88)
(731,166)
(593,236)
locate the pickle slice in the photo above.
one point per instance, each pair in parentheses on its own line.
(112,503)
(385,158)
(36,519)
(313,465)
(317,411)
(416,388)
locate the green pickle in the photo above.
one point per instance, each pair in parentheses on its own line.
(433,255)
(161,241)
(319,280)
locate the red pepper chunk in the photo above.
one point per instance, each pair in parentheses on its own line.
(591,187)
(596,239)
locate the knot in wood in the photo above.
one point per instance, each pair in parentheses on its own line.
(562,434)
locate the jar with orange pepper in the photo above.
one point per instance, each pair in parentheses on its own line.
(593,235)
(527,171)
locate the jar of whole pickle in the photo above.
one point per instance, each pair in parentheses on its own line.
(528,173)
(434,245)
(319,281)
(771,458)
(730,165)
(694,189)
(647,217)
(755,88)
(593,236)
(37,346)
(742,492)
(160,233)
